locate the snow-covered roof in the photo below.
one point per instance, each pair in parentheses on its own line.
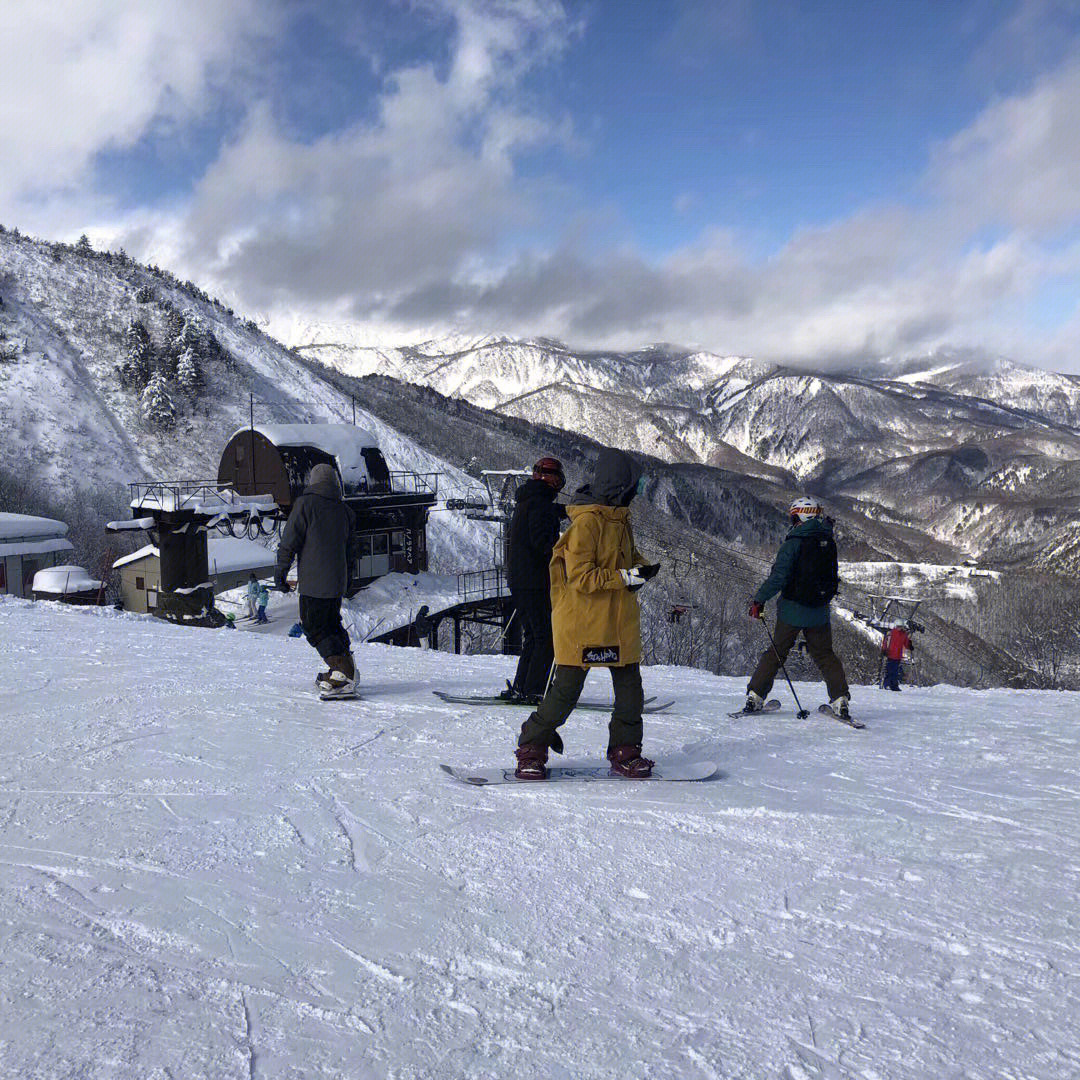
(225,555)
(36,547)
(63,580)
(345,443)
(136,555)
(23,526)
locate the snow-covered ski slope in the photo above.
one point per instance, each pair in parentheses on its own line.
(209,873)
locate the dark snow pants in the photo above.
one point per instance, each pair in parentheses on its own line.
(818,645)
(533,608)
(321,619)
(893,671)
(625,728)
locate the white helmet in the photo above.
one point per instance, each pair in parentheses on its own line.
(804,508)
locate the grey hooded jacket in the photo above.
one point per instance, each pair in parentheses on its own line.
(321,535)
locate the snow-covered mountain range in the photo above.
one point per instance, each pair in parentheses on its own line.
(982,455)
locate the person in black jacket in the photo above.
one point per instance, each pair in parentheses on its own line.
(321,535)
(534,528)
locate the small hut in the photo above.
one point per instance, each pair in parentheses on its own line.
(275,459)
(69,585)
(27,545)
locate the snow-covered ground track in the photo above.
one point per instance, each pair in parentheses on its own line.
(209,873)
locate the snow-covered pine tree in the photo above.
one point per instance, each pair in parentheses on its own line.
(188,373)
(137,364)
(83,246)
(158,409)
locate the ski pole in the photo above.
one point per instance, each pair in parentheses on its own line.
(506,628)
(551,676)
(802,714)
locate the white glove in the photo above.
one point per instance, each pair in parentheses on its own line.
(636,576)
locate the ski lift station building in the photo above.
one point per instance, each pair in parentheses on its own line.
(27,545)
(391,508)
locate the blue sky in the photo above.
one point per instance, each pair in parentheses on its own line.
(812,182)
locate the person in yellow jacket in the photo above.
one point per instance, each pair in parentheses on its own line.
(595,621)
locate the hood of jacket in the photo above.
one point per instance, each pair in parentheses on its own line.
(614,481)
(323,480)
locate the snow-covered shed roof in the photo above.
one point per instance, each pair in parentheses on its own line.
(345,443)
(224,556)
(16,527)
(22,534)
(64,580)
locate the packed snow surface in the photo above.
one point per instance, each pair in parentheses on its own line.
(209,872)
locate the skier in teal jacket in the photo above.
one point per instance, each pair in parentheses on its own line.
(805,574)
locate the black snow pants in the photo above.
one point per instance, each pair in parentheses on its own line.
(533,608)
(321,619)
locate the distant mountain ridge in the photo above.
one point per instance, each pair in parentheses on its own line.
(980,453)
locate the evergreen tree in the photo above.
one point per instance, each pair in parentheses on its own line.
(83,246)
(188,375)
(158,409)
(137,365)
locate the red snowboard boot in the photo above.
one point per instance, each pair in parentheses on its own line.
(627,761)
(532,762)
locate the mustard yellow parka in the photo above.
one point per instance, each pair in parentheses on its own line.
(595,619)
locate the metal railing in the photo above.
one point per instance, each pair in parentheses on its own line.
(206,495)
(410,483)
(487,584)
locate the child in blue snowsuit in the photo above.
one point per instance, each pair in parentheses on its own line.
(262,601)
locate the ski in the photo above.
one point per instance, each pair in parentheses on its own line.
(828,710)
(772,705)
(584,771)
(592,706)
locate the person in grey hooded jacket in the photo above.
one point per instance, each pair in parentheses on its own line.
(321,535)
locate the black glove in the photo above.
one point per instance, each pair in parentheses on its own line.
(281,582)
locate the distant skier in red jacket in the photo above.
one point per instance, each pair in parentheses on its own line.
(897,647)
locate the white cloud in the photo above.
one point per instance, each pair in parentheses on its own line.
(79,76)
(1018,165)
(416,216)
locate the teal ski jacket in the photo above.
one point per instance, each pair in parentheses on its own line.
(782,569)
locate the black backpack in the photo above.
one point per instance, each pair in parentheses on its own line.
(816,577)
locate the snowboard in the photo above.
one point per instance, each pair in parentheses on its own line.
(828,710)
(590,706)
(327,695)
(585,771)
(772,705)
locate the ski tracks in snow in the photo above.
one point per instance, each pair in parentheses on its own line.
(220,875)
